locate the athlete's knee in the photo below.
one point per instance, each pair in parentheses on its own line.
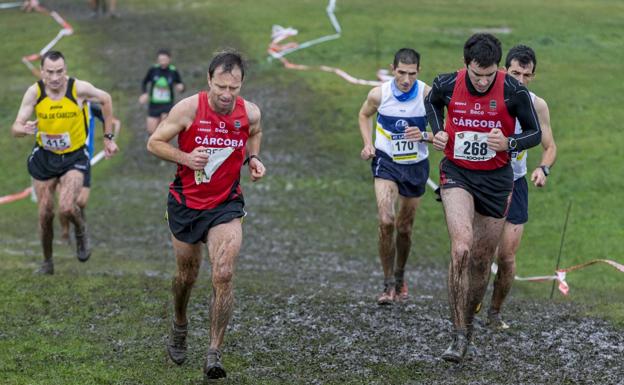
(460,252)
(68,211)
(404,228)
(222,275)
(187,272)
(507,263)
(386,219)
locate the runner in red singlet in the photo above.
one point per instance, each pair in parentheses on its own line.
(476,179)
(218,132)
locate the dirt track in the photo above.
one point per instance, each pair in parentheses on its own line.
(316,317)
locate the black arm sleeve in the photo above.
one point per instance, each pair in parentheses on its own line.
(438,98)
(146,80)
(519,104)
(176,77)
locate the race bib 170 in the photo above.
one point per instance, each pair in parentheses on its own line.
(403,149)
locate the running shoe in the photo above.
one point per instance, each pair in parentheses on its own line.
(457,349)
(402,291)
(176,346)
(388,296)
(471,350)
(495,321)
(47,267)
(83,245)
(213,369)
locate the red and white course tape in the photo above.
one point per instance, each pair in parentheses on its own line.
(560,275)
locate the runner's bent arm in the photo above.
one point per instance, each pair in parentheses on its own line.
(368,110)
(256,168)
(548,142)
(22,126)
(414,133)
(436,100)
(519,104)
(144,98)
(179,119)
(86,91)
(177,80)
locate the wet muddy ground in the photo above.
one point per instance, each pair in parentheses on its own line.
(305,309)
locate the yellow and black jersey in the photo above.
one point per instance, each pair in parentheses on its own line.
(62,124)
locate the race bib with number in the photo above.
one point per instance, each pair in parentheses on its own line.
(472,146)
(55,142)
(161,95)
(216,157)
(403,149)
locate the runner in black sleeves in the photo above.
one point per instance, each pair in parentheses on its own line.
(163,79)
(475,176)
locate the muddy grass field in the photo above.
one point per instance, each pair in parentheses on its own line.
(307,276)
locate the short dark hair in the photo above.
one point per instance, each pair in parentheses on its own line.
(228,59)
(523,54)
(163,51)
(484,49)
(406,56)
(52,55)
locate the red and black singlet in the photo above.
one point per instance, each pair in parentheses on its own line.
(470,117)
(215,132)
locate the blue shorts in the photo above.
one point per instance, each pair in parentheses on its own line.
(518,213)
(410,178)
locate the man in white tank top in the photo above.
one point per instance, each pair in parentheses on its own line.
(520,63)
(400,164)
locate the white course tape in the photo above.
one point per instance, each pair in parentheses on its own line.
(9,5)
(278,51)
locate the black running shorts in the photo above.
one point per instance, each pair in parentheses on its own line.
(191,226)
(44,164)
(155,110)
(491,189)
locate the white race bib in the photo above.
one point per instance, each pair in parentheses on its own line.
(403,149)
(472,146)
(55,142)
(216,157)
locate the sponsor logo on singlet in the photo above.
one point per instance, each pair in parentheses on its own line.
(212,141)
(474,123)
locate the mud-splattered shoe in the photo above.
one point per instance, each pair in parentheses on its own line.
(495,321)
(213,369)
(471,350)
(46,268)
(83,245)
(457,349)
(176,346)
(388,296)
(402,293)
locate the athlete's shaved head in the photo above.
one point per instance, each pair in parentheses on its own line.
(523,54)
(228,59)
(484,49)
(52,55)
(406,56)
